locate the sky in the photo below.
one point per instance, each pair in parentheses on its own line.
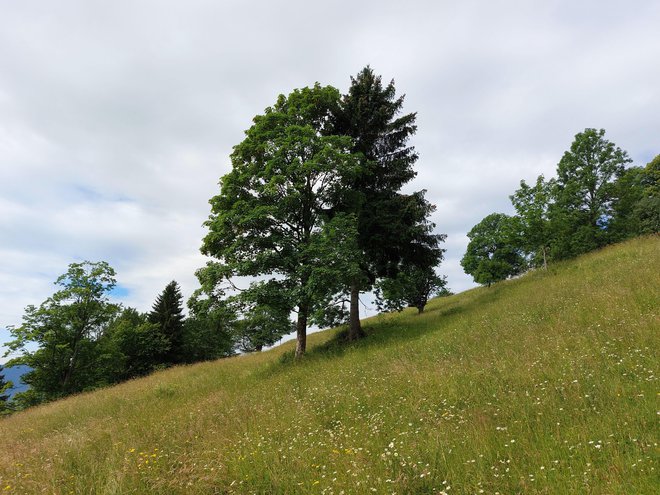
(118,118)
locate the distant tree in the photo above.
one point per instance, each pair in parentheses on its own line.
(132,346)
(271,216)
(412,287)
(208,332)
(494,252)
(648,207)
(265,316)
(532,203)
(167,314)
(636,210)
(626,219)
(388,223)
(585,193)
(66,327)
(4,398)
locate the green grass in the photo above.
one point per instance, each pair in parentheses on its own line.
(545,384)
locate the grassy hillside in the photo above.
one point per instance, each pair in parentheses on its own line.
(545,384)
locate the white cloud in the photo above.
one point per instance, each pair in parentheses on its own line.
(117,118)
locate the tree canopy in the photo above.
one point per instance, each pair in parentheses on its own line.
(271,217)
(66,327)
(494,252)
(584,193)
(391,226)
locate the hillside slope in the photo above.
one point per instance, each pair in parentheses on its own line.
(544,384)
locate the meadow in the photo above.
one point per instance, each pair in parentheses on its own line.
(546,384)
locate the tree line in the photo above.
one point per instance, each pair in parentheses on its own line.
(595,200)
(310,216)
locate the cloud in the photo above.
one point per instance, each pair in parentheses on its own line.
(117,118)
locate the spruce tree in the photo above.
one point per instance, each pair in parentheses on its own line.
(392,227)
(167,313)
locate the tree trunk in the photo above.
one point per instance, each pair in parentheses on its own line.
(545,261)
(301,332)
(355,328)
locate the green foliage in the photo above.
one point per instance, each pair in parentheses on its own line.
(209,328)
(66,327)
(167,315)
(532,203)
(4,398)
(389,224)
(494,252)
(637,208)
(271,216)
(412,287)
(265,315)
(132,346)
(584,192)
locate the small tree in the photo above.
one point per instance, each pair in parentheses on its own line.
(4,398)
(209,328)
(411,287)
(132,346)
(66,327)
(265,316)
(167,314)
(494,252)
(532,203)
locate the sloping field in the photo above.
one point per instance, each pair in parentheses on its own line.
(544,384)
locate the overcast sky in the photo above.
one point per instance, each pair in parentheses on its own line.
(117,118)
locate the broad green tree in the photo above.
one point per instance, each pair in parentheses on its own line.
(584,193)
(648,208)
(636,210)
(272,215)
(532,203)
(494,252)
(388,223)
(132,346)
(66,328)
(167,314)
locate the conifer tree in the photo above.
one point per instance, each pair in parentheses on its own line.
(391,226)
(167,313)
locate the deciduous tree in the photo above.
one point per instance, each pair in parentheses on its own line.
(584,193)
(66,328)
(494,252)
(532,203)
(271,218)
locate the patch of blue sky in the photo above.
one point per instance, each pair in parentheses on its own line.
(87,193)
(120,291)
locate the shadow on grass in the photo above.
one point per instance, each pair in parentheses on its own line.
(391,329)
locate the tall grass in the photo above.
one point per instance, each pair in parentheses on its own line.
(544,384)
